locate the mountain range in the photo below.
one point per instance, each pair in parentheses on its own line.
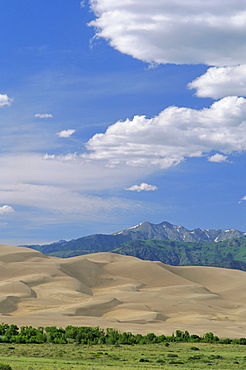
(170,244)
(167,231)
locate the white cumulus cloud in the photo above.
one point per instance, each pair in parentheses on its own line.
(174,31)
(66,133)
(142,187)
(6,209)
(218,158)
(43,115)
(5,100)
(219,82)
(175,134)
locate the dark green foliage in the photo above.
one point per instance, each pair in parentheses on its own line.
(182,336)
(215,357)
(143,360)
(85,335)
(225,341)
(239,341)
(127,338)
(210,338)
(56,335)
(95,335)
(28,334)
(5,367)
(227,254)
(194,338)
(151,338)
(195,358)
(160,361)
(3,328)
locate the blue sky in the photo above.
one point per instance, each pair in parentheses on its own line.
(117,112)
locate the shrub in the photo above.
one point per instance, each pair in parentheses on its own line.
(210,338)
(242,341)
(143,360)
(225,341)
(194,358)
(5,367)
(215,357)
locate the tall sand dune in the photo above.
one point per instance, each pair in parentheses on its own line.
(110,290)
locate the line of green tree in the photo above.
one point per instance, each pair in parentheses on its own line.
(96,335)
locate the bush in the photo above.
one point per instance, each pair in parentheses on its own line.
(5,367)
(194,358)
(194,348)
(225,341)
(194,338)
(210,338)
(143,360)
(215,357)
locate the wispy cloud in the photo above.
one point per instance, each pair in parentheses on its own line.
(60,201)
(142,187)
(6,209)
(64,188)
(65,133)
(43,115)
(69,171)
(242,199)
(5,100)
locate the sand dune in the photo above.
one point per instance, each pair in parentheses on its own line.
(124,292)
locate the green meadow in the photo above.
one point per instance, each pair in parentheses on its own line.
(50,356)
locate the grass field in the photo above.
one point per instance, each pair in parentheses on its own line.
(152,356)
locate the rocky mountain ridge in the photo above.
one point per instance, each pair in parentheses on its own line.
(164,231)
(167,231)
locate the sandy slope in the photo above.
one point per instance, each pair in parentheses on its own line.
(124,292)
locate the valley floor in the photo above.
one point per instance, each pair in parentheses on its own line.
(155,356)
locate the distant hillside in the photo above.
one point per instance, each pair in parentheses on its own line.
(143,231)
(230,253)
(84,245)
(173,245)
